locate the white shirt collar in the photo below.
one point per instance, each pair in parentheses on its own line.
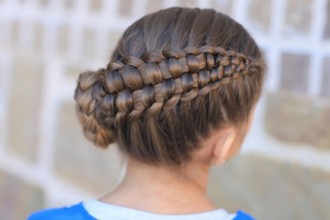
(104,211)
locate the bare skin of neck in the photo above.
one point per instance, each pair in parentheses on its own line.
(163,190)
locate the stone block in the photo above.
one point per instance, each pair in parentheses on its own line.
(39,32)
(298,119)
(25,92)
(44,3)
(74,69)
(69,4)
(222,6)
(259,14)
(325,91)
(154,5)
(327,24)
(112,40)
(18,198)
(187,3)
(125,8)
(63,38)
(294,72)
(88,42)
(4,38)
(78,161)
(298,18)
(15,31)
(271,189)
(95,5)
(2,130)
(3,94)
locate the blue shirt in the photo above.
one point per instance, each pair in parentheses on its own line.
(97,210)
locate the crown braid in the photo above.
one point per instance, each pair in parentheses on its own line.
(155,81)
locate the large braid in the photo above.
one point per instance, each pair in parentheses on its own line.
(158,80)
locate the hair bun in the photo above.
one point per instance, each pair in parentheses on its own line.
(87,94)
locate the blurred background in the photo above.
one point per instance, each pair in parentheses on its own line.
(283,171)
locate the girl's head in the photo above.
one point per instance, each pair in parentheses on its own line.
(176,78)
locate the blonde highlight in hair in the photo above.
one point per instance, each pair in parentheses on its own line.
(174,76)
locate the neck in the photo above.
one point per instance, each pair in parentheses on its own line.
(161,189)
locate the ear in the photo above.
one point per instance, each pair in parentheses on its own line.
(222,146)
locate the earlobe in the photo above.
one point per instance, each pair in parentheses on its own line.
(222,146)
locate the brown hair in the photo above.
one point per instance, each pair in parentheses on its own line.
(174,76)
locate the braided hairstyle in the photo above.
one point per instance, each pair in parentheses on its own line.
(174,76)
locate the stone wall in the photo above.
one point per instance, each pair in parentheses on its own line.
(283,171)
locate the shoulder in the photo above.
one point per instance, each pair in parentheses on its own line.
(240,215)
(74,212)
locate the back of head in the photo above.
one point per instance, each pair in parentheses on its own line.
(174,76)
